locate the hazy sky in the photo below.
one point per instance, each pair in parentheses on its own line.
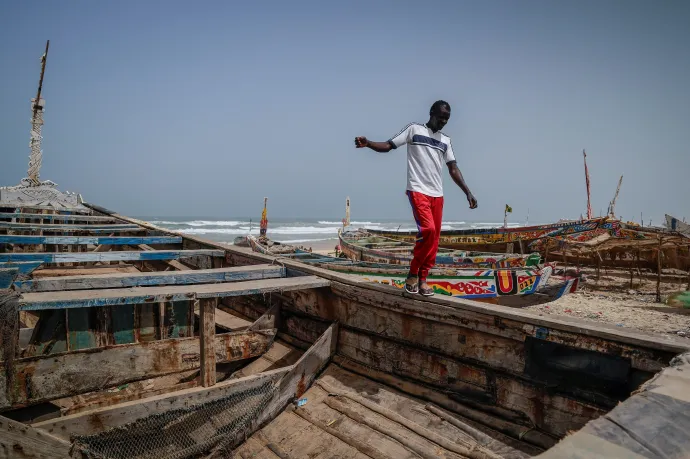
(203,108)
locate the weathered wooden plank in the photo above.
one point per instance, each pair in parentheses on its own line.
(101,419)
(44,378)
(24,267)
(82,257)
(83,271)
(137,295)
(172,263)
(178,319)
(120,280)
(207,328)
(288,382)
(18,440)
(58,217)
(51,227)
(62,210)
(88,240)
(492,390)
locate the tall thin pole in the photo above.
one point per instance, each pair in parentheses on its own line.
(589,202)
(35,158)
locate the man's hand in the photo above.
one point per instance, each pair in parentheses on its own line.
(472,200)
(361,142)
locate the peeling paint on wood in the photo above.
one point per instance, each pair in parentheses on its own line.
(89,240)
(58,217)
(138,295)
(39,379)
(120,280)
(92,257)
(50,227)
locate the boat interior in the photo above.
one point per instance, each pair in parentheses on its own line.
(124,340)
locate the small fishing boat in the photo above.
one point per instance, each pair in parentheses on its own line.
(364,246)
(517,287)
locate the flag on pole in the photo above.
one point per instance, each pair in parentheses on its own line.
(508,209)
(263,224)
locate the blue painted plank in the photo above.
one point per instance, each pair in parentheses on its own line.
(7,276)
(89,240)
(39,226)
(25,267)
(54,217)
(141,295)
(123,280)
(81,257)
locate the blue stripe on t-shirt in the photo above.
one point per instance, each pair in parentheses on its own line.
(429,142)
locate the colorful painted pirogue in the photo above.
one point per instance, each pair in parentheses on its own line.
(492,239)
(616,244)
(363,246)
(516,287)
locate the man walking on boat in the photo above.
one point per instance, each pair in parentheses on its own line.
(427,149)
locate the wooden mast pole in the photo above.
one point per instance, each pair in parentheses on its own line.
(589,202)
(36,125)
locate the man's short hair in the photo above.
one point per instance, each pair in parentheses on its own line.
(437,105)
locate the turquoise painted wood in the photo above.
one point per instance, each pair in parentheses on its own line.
(7,276)
(82,257)
(25,267)
(178,319)
(89,240)
(61,218)
(81,325)
(123,324)
(152,295)
(50,227)
(121,280)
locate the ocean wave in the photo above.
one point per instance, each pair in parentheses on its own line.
(278,230)
(215,223)
(237,231)
(351,223)
(201,223)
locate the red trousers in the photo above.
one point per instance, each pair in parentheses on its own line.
(428,213)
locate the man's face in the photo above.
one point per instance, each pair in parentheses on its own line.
(442,115)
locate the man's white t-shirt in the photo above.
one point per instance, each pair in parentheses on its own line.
(427,152)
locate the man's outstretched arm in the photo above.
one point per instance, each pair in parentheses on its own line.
(460,181)
(381,147)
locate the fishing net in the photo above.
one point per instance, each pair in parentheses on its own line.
(193,431)
(9,332)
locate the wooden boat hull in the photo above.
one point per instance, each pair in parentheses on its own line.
(359,246)
(496,286)
(497,240)
(480,361)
